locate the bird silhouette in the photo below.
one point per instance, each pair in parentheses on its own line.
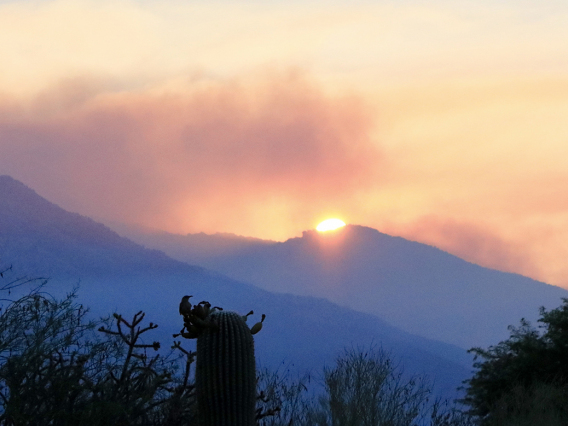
(185,306)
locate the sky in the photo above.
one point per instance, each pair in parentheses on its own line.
(445,122)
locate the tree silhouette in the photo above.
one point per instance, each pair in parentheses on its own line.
(531,362)
(55,368)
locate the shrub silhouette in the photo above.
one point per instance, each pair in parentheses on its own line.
(367,388)
(56,369)
(59,368)
(530,365)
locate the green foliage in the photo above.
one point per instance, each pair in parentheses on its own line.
(521,368)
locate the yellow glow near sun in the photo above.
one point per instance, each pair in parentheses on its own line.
(330,225)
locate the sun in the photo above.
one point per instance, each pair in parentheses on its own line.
(330,225)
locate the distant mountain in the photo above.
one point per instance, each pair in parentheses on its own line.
(47,240)
(416,287)
(115,274)
(200,248)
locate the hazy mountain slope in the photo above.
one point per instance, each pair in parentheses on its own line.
(306,332)
(118,275)
(45,239)
(196,249)
(416,287)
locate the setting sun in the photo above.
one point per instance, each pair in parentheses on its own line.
(330,225)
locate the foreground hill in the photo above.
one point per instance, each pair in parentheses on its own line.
(416,287)
(115,274)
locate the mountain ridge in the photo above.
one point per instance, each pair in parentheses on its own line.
(120,275)
(417,287)
(56,234)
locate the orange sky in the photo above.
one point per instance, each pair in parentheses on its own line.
(444,122)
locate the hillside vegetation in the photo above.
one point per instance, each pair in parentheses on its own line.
(59,368)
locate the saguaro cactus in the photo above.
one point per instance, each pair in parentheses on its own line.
(225,376)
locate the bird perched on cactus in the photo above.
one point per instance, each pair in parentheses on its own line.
(185,306)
